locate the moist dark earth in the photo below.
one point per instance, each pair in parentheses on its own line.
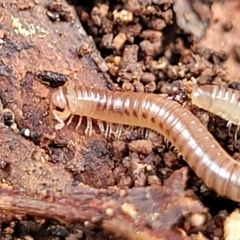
(62,184)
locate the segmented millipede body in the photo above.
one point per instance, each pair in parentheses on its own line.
(219,100)
(201,151)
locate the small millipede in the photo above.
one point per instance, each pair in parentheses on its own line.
(200,150)
(219,100)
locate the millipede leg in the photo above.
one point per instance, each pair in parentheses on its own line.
(141,132)
(79,122)
(101,126)
(108,130)
(167,143)
(129,128)
(88,130)
(70,119)
(61,123)
(146,134)
(118,131)
(229,125)
(111,130)
(236,132)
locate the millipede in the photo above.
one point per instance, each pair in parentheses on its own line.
(204,155)
(219,100)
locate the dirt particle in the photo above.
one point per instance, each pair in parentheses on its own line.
(227,26)
(128,209)
(109,212)
(141,146)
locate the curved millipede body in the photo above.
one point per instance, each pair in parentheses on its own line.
(201,151)
(219,100)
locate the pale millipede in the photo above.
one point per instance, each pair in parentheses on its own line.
(200,150)
(219,100)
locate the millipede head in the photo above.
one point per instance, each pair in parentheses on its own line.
(58,99)
(59,105)
(201,96)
